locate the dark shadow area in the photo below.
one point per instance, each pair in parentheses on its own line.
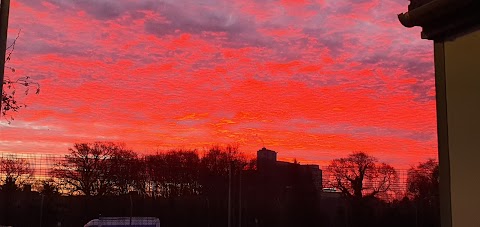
(182,188)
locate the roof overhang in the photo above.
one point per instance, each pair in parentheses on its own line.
(442,19)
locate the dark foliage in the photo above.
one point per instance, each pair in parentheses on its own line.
(15,172)
(423,186)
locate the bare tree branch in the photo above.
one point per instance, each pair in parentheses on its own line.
(360,175)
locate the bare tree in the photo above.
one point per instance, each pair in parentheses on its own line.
(154,165)
(182,172)
(126,172)
(90,168)
(360,175)
(174,173)
(217,159)
(15,172)
(215,165)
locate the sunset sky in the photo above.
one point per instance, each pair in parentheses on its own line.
(310,79)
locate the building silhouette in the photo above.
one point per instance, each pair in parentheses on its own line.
(280,193)
(269,167)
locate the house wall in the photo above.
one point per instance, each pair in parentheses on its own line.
(458,102)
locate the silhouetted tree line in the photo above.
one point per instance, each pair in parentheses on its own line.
(184,188)
(97,169)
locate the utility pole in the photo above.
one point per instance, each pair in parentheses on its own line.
(4,12)
(240,198)
(131,208)
(230,194)
(41,211)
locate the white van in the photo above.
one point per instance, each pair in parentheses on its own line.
(124,222)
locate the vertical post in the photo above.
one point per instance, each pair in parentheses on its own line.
(4,12)
(442,135)
(240,199)
(131,208)
(230,194)
(416,213)
(208,212)
(41,211)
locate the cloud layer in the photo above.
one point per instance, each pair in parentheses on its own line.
(313,79)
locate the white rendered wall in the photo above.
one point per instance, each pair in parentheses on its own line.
(462,76)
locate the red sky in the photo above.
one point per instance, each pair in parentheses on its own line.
(314,79)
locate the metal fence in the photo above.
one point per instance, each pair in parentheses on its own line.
(40,168)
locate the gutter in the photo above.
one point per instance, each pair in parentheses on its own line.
(431,11)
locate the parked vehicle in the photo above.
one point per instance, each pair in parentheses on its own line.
(124,222)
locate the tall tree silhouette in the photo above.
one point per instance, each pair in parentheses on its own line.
(174,173)
(216,163)
(360,175)
(94,168)
(183,172)
(216,160)
(423,180)
(423,186)
(125,171)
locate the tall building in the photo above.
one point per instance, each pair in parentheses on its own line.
(266,160)
(282,172)
(266,154)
